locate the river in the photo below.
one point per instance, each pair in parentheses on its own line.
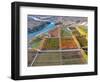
(45,29)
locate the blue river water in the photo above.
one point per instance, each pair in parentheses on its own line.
(45,29)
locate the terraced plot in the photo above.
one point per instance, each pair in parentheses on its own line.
(68,43)
(82,40)
(35,43)
(31,55)
(76,33)
(47,58)
(72,57)
(51,44)
(83,28)
(65,32)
